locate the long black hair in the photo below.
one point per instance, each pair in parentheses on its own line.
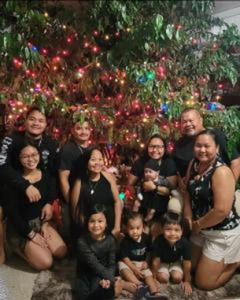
(84,200)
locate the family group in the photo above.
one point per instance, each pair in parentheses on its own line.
(180,222)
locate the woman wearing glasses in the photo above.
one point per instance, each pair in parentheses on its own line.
(29,232)
(155,149)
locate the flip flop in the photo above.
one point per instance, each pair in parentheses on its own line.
(141,292)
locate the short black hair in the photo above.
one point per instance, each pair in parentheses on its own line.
(172,218)
(133,215)
(32,109)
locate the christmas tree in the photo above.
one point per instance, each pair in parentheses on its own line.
(130,66)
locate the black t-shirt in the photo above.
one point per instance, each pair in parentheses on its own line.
(183,151)
(167,168)
(69,159)
(96,258)
(134,250)
(171,253)
(20,210)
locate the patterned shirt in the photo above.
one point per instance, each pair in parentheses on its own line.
(201,195)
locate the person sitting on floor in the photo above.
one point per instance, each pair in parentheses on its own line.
(133,264)
(96,258)
(29,232)
(171,253)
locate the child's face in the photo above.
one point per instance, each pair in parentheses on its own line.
(150,174)
(172,233)
(97,225)
(135,228)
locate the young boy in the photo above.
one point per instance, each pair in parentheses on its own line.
(149,199)
(133,265)
(171,253)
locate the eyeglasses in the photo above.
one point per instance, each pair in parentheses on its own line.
(157,147)
(31,156)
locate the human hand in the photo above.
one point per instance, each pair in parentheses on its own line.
(188,216)
(144,265)
(149,186)
(105,283)
(33,194)
(40,240)
(46,212)
(187,288)
(116,232)
(195,227)
(138,273)
(45,232)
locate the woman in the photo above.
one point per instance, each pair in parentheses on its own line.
(29,232)
(209,209)
(155,150)
(95,186)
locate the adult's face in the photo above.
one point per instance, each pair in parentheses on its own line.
(96,163)
(205,148)
(191,123)
(156,148)
(81,132)
(29,158)
(36,123)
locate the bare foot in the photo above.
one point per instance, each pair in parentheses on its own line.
(129,286)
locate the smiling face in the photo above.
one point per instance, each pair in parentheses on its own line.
(135,228)
(29,158)
(81,132)
(156,148)
(191,123)
(95,163)
(35,124)
(205,148)
(97,225)
(172,233)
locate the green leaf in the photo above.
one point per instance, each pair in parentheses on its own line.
(169,31)
(158,22)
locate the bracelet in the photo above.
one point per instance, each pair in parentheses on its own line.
(31,235)
(156,188)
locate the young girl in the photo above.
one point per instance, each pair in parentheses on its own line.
(96,258)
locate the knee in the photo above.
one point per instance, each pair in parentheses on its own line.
(202,284)
(60,252)
(45,263)
(176,277)
(163,277)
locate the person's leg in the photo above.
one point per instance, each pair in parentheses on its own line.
(129,276)
(54,241)
(212,274)
(163,274)
(2,251)
(176,276)
(37,257)
(176,272)
(196,252)
(152,284)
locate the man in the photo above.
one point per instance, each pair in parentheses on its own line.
(191,125)
(35,126)
(70,154)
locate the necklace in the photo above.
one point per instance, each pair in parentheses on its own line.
(93,187)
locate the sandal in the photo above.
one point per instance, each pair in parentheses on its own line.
(141,292)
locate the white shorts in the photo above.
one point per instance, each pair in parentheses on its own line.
(138,264)
(219,245)
(168,268)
